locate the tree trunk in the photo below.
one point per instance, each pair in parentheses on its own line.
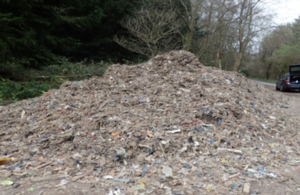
(238,61)
(218,60)
(188,39)
(268,74)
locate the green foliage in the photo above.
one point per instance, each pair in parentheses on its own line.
(81,69)
(97,29)
(285,56)
(39,32)
(54,76)
(15,91)
(12,68)
(27,32)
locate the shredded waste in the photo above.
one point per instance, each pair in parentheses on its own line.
(167,126)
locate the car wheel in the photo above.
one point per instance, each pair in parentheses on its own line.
(277,89)
(281,88)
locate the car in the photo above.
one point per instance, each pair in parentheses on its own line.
(291,80)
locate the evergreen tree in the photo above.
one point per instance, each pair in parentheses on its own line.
(27,28)
(40,32)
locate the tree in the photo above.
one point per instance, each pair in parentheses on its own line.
(215,23)
(152,29)
(251,20)
(285,56)
(190,17)
(100,21)
(41,32)
(245,20)
(280,36)
(26,31)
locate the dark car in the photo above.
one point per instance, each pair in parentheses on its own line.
(289,80)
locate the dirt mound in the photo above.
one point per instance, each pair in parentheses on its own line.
(168,126)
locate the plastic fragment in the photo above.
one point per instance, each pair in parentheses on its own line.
(141,99)
(63,182)
(138,187)
(5,161)
(167,171)
(187,125)
(271,175)
(220,121)
(222,160)
(122,180)
(209,188)
(264,126)
(120,151)
(7,182)
(187,166)
(116,192)
(116,134)
(283,106)
(246,189)
(108,177)
(150,133)
(262,171)
(99,170)
(145,171)
(174,131)
(15,166)
(31,189)
(234,187)
(232,150)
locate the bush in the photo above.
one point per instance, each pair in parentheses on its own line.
(14,91)
(49,77)
(73,69)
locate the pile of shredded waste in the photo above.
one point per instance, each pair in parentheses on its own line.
(168,126)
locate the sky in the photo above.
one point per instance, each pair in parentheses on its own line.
(287,10)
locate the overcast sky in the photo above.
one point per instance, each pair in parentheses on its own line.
(287,10)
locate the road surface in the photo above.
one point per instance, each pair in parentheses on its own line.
(295,95)
(264,83)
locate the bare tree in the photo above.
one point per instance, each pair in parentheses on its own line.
(190,20)
(215,21)
(251,21)
(152,30)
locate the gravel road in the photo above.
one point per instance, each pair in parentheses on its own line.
(295,95)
